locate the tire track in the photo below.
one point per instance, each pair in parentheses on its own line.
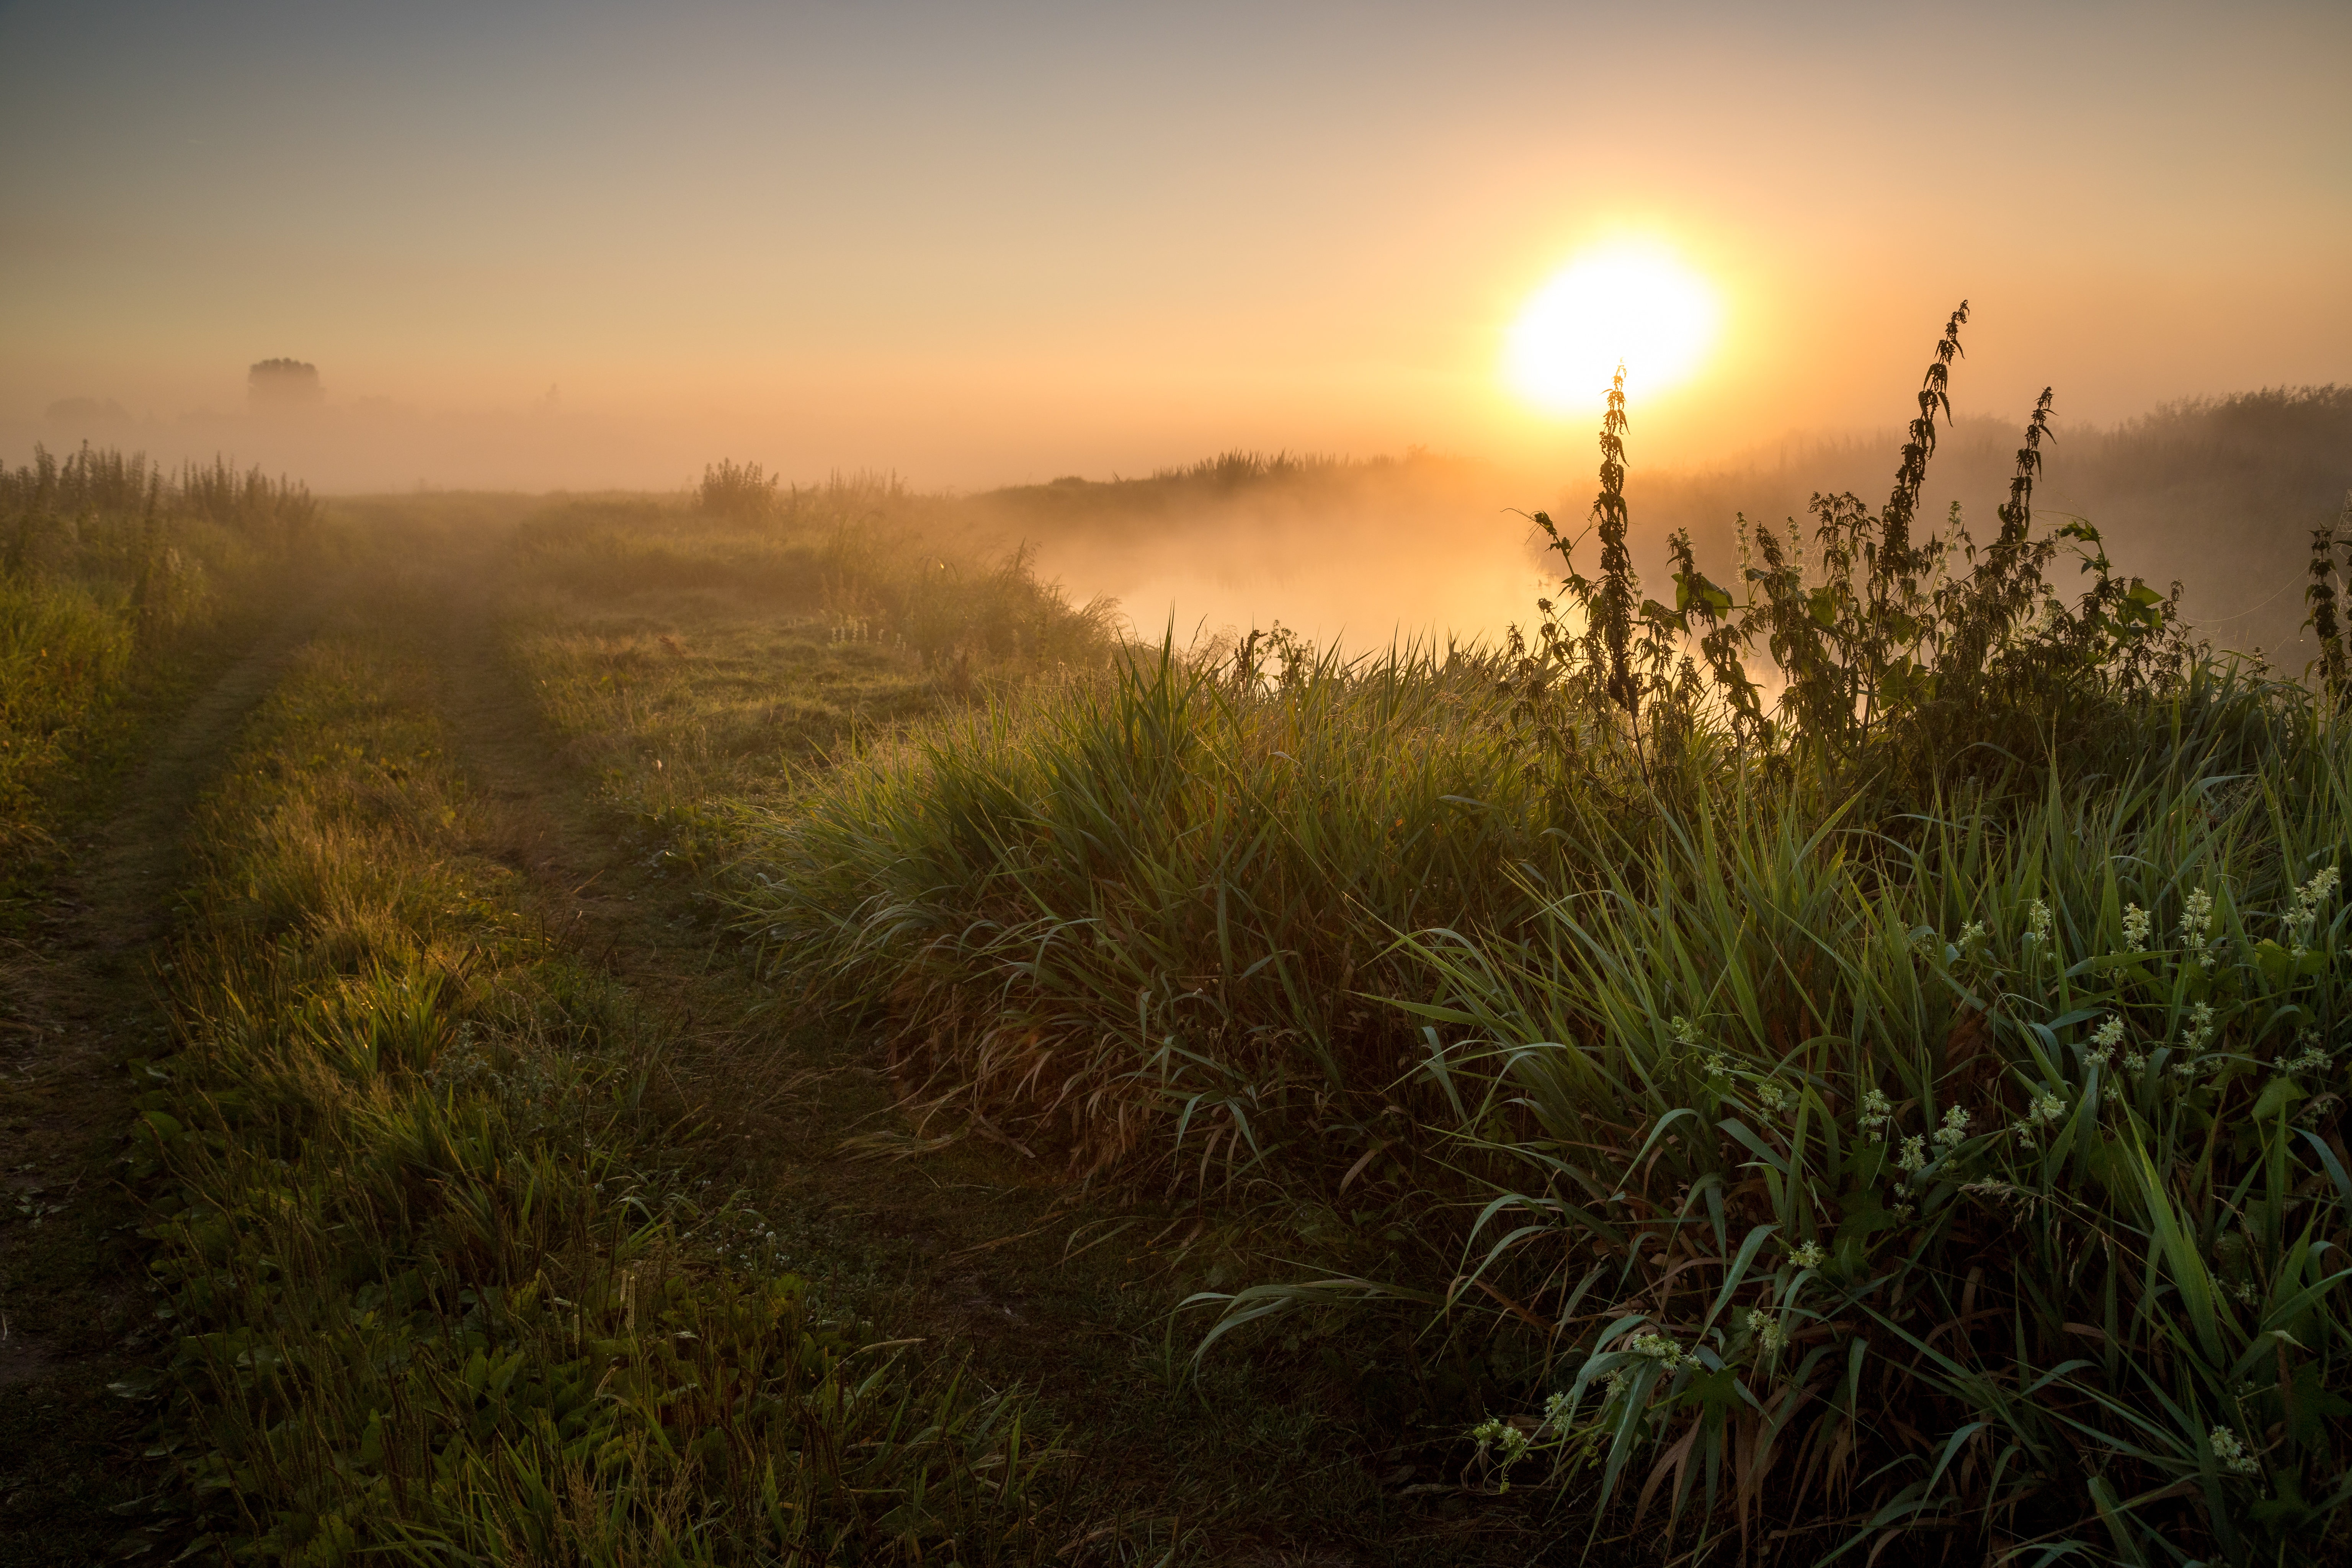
(78,1002)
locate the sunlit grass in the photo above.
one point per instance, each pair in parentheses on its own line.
(441,1288)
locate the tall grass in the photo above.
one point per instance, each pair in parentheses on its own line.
(1134,915)
(108,564)
(1991,1182)
(1875,1025)
(444,1290)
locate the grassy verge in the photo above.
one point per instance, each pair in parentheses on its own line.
(695,707)
(1909,1109)
(117,582)
(694,657)
(444,1288)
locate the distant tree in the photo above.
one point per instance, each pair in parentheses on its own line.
(282,383)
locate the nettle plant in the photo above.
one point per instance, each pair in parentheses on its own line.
(1891,644)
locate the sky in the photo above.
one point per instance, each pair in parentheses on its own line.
(580,244)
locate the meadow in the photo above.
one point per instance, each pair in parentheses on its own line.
(740,1026)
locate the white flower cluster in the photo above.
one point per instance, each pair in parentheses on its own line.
(2105,1038)
(2047,1111)
(1770,1335)
(2302,916)
(1955,1130)
(1662,1350)
(1914,1157)
(1809,1255)
(2197,927)
(1772,1094)
(2038,921)
(2232,1452)
(1972,940)
(2310,1054)
(1876,1112)
(2200,1035)
(1509,1443)
(2137,928)
(1684,1032)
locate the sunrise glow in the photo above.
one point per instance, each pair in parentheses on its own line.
(1633,303)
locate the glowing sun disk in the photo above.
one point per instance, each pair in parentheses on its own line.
(1636,304)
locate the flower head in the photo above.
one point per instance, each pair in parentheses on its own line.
(2310,1054)
(2196,915)
(1955,1130)
(2231,1453)
(2136,927)
(2038,921)
(2303,914)
(1509,1443)
(1876,1112)
(1770,1335)
(1809,1255)
(1914,1157)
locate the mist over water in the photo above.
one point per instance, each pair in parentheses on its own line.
(2220,496)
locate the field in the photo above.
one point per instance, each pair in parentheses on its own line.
(740,1027)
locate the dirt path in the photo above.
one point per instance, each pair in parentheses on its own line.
(79,1000)
(932,1225)
(984,1254)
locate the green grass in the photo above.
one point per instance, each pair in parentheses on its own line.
(1909,1113)
(443,1289)
(114,574)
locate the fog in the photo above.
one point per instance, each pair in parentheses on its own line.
(2218,495)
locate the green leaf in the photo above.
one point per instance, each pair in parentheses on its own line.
(2276,1096)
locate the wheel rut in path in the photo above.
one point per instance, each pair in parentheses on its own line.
(79,1000)
(777,1098)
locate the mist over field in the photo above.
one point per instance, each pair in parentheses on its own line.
(2218,493)
(1057,786)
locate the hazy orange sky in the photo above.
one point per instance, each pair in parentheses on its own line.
(983,243)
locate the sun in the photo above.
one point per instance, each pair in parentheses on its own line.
(1633,304)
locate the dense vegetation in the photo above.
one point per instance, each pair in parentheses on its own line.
(1846,1057)
(1907,1101)
(107,567)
